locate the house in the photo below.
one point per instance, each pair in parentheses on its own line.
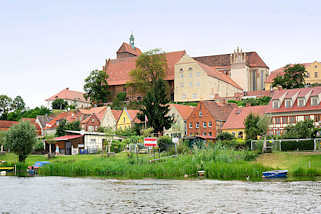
(313,69)
(66,145)
(180,114)
(91,123)
(247,69)
(71,97)
(128,119)
(110,118)
(5,124)
(195,81)
(118,69)
(287,107)
(235,121)
(207,119)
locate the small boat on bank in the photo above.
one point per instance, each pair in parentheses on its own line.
(275,174)
(7,168)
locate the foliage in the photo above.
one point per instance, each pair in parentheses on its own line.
(59,104)
(64,125)
(96,87)
(126,132)
(21,138)
(156,108)
(293,77)
(252,101)
(146,132)
(18,104)
(256,126)
(225,136)
(119,101)
(117,146)
(5,106)
(301,130)
(29,113)
(39,146)
(2,137)
(150,67)
(164,143)
(297,145)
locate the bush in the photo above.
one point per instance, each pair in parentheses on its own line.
(297,145)
(118,146)
(225,136)
(39,146)
(164,143)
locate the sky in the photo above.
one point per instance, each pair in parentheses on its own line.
(46,46)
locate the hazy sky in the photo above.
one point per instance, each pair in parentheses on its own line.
(46,46)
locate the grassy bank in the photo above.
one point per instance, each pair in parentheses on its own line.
(305,165)
(218,162)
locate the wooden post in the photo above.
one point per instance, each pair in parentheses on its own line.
(49,154)
(1,148)
(315,145)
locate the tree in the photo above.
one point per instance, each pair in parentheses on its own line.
(2,140)
(156,108)
(29,113)
(256,126)
(64,125)
(119,100)
(59,104)
(301,130)
(96,87)
(18,104)
(293,77)
(150,66)
(21,138)
(5,106)
(225,136)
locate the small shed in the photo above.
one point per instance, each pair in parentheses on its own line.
(68,144)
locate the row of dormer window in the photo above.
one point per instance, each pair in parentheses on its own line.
(301,102)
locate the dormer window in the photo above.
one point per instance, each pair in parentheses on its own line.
(288,103)
(314,101)
(275,103)
(301,102)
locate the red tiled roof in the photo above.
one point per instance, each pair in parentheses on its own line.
(133,115)
(5,124)
(126,48)
(116,114)
(99,111)
(238,115)
(295,108)
(33,121)
(280,72)
(253,60)
(67,94)
(69,116)
(219,111)
(118,69)
(67,137)
(219,75)
(89,118)
(184,110)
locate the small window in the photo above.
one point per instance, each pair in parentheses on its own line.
(308,75)
(307,117)
(210,134)
(317,117)
(182,75)
(200,114)
(181,69)
(204,124)
(204,133)
(198,74)
(277,120)
(288,103)
(190,125)
(301,102)
(315,66)
(190,68)
(275,104)
(209,124)
(190,74)
(284,120)
(197,125)
(315,74)
(292,119)
(182,84)
(314,101)
(190,84)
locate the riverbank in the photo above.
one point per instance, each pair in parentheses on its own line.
(222,164)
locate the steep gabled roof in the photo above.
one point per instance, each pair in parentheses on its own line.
(67,94)
(133,116)
(253,60)
(218,110)
(238,115)
(126,48)
(183,110)
(218,75)
(116,114)
(98,111)
(118,69)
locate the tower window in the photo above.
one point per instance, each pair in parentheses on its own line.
(315,74)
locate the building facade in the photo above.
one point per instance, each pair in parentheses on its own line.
(75,98)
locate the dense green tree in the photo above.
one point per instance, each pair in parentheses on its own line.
(225,136)
(301,130)
(5,106)
(119,101)
(18,104)
(150,66)
(64,125)
(252,101)
(59,104)
(96,87)
(256,126)
(293,77)
(29,113)
(21,138)
(155,108)
(2,139)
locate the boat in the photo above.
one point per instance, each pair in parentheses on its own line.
(275,174)
(7,168)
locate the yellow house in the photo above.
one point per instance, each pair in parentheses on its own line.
(235,122)
(127,119)
(313,69)
(195,81)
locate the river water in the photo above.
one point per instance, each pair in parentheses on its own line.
(87,195)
